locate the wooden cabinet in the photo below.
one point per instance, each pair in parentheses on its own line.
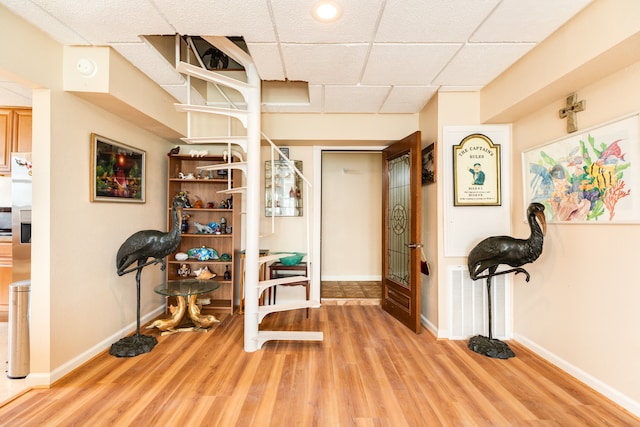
(15,134)
(212,222)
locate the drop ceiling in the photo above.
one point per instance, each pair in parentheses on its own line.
(381,56)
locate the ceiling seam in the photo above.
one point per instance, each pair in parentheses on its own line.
(153,4)
(63,24)
(277,37)
(383,5)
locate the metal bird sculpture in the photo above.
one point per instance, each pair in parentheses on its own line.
(489,254)
(145,244)
(139,247)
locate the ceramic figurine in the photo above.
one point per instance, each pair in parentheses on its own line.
(168,324)
(184,270)
(202,321)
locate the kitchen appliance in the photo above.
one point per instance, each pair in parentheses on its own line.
(5,222)
(21,215)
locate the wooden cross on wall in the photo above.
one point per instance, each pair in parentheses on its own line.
(571,111)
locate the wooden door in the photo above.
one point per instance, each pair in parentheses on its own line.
(401,191)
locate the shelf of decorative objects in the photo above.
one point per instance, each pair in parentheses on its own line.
(283,189)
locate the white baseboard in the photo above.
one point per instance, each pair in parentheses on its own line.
(36,379)
(430,326)
(593,382)
(363,278)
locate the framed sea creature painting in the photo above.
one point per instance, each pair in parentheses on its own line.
(117,171)
(589,177)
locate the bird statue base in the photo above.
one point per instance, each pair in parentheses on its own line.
(133,345)
(490,347)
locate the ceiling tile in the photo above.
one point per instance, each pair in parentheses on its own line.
(526,21)
(324,64)
(295,24)
(103,22)
(146,58)
(249,18)
(407,64)
(398,50)
(267,59)
(407,99)
(43,20)
(478,64)
(432,21)
(354,99)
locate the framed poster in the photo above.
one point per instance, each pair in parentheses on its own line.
(476,172)
(588,177)
(117,171)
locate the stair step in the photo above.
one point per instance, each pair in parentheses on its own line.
(264,336)
(241,115)
(237,140)
(263,310)
(213,77)
(274,257)
(233,190)
(264,284)
(225,166)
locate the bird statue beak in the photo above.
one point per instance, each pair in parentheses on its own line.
(543,222)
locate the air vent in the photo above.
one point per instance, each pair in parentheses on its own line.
(469,305)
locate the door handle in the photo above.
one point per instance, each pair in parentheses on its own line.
(414,245)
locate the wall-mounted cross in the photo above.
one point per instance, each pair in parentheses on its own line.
(571,110)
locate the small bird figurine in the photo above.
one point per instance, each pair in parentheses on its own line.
(174,150)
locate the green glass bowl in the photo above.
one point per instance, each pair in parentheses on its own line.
(293,259)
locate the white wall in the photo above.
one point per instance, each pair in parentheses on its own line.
(78,303)
(580,308)
(351,216)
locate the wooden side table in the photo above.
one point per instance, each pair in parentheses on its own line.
(278,270)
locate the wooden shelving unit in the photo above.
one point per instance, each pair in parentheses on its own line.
(210,188)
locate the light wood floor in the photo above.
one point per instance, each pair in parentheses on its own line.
(368,371)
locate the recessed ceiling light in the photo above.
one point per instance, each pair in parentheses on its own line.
(326,11)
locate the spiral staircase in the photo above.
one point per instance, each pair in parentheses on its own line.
(250,167)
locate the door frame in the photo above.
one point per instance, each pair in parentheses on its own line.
(317,208)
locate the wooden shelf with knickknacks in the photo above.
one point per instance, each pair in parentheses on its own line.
(210,240)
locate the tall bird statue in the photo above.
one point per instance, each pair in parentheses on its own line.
(489,254)
(139,247)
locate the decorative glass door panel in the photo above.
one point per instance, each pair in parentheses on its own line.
(399,208)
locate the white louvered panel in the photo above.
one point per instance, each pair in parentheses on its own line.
(469,305)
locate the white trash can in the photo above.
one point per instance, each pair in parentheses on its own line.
(19,363)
